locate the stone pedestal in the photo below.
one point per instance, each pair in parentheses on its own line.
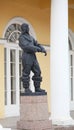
(34,113)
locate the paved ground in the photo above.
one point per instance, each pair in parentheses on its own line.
(10,122)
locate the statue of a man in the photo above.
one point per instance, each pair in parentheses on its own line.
(29,61)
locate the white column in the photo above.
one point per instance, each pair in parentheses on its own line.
(59,51)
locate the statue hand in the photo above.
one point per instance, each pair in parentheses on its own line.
(44,51)
(39,50)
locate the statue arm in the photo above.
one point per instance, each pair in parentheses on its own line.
(41,47)
(27,46)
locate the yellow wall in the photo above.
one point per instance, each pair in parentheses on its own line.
(71,19)
(71,14)
(44,62)
(38,15)
(39,18)
(1,81)
(45,4)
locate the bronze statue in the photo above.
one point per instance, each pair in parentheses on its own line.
(29,61)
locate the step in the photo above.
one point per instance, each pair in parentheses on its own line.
(63,128)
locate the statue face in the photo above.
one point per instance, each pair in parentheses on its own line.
(25,28)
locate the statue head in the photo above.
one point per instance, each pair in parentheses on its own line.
(25,28)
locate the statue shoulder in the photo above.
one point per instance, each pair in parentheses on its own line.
(25,37)
(21,36)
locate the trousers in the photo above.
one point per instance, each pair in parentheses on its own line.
(30,63)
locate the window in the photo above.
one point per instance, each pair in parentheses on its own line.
(13,32)
(13,65)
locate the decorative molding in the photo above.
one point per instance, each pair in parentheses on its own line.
(20,20)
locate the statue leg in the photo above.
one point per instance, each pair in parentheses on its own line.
(37,77)
(26,78)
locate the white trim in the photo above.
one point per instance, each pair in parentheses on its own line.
(71,38)
(20,20)
(13,44)
(9,108)
(17,77)
(2,41)
(71,52)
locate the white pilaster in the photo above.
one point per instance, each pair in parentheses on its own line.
(60,98)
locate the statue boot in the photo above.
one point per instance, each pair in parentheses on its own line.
(26,79)
(37,87)
(27,89)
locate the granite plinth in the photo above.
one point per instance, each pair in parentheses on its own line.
(34,113)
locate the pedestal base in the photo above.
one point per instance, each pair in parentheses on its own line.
(34,125)
(34,113)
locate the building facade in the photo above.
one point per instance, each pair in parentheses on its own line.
(13,14)
(51,23)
